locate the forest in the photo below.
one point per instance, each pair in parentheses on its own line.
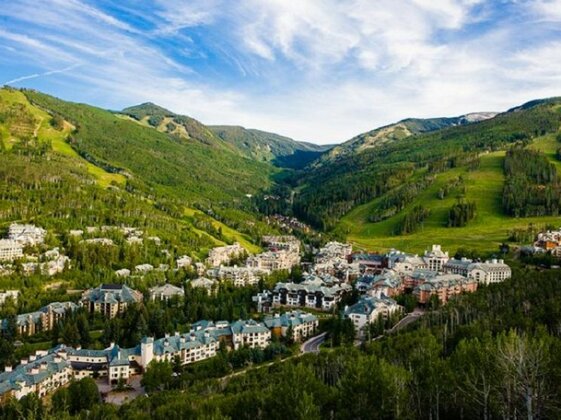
(532,186)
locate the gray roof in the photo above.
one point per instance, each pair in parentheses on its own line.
(112,293)
(289,319)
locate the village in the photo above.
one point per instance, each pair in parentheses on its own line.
(289,308)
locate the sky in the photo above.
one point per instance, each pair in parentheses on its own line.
(315,70)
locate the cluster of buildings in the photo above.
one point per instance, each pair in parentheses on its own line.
(283,253)
(546,242)
(288,223)
(239,276)
(323,285)
(20,236)
(308,295)
(42,320)
(224,254)
(46,371)
(49,263)
(432,274)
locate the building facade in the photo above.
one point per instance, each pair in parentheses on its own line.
(110,300)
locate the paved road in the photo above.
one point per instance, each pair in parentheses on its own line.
(312,345)
(408,319)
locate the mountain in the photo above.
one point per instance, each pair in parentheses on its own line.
(398,131)
(254,144)
(165,121)
(403,185)
(73,165)
(261,145)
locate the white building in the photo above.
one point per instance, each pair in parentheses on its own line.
(9,294)
(240,276)
(274,260)
(492,271)
(143,268)
(333,250)
(184,261)
(369,309)
(435,258)
(285,243)
(204,283)
(165,292)
(224,254)
(10,250)
(26,234)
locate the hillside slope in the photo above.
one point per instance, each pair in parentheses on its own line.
(366,195)
(261,145)
(398,131)
(198,171)
(68,166)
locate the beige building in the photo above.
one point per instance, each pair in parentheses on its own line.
(10,250)
(224,254)
(110,299)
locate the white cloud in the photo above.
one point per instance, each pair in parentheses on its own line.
(319,70)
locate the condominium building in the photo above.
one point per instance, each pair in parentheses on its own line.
(26,234)
(307,295)
(10,250)
(224,254)
(435,258)
(166,292)
(444,287)
(110,299)
(274,260)
(285,243)
(369,309)
(42,320)
(297,323)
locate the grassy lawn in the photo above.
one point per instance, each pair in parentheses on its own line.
(485,233)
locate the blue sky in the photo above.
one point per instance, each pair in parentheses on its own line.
(315,70)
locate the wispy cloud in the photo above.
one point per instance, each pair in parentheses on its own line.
(320,70)
(47,73)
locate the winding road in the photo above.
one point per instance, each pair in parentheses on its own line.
(312,345)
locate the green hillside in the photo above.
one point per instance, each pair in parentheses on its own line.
(395,132)
(485,233)
(368,195)
(67,166)
(260,145)
(157,162)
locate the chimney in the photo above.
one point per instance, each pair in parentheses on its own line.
(79,347)
(57,359)
(7,369)
(177,333)
(112,344)
(24,361)
(34,370)
(182,340)
(32,358)
(166,335)
(43,366)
